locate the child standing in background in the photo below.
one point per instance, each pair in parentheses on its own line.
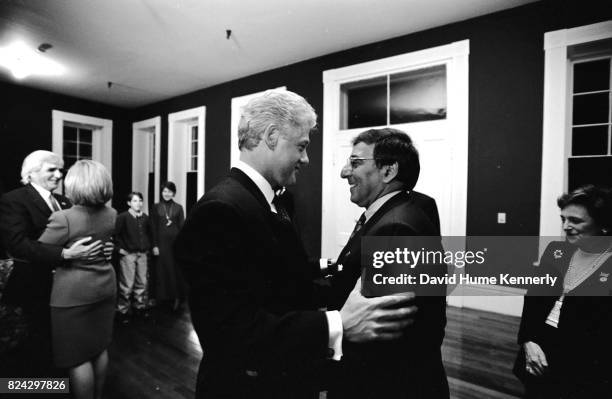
(133,238)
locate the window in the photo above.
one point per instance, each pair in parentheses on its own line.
(591,108)
(590,129)
(412,96)
(194,148)
(77,144)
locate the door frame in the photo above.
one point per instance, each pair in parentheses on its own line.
(155,124)
(177,163)
(455,55)
(556,137)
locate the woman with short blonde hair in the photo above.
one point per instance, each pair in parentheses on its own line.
(84,291)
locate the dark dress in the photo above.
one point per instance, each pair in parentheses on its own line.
(167,219)
(578,352)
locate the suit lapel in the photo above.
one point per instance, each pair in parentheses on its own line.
(251,187)
(386,207)
(62,201)
(354,244)
(37,200)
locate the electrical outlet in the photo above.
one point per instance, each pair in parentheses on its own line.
(501,217)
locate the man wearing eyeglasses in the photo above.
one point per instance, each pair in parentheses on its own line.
(253,302)
(382,170)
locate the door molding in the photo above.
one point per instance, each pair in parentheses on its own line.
(177,161)
(556,140)
(455,55)
(155,125)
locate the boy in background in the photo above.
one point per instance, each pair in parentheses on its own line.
(133,237)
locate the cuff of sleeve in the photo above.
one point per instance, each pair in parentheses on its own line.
(323,264)
(334,321)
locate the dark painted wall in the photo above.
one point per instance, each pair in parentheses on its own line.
(505,115)
(505,111)
(26,126)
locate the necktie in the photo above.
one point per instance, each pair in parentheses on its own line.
(359,225)
(281,211)
(54,204)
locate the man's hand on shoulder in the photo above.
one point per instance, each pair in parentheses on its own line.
(376,319)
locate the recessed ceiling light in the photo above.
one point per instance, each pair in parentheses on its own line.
(24,61)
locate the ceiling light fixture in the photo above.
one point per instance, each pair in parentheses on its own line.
(23,61)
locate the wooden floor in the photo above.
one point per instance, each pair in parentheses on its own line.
(159,357)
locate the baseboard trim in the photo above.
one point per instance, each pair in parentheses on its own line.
(491,298)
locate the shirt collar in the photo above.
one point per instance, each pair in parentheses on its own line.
(376,205)
(133,213)
(260,181)
(42,191)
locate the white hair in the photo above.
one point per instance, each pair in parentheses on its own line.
(34,161)
(274,107)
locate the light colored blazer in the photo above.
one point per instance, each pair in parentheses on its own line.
(80,282)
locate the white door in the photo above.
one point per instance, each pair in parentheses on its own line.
(441,140)
(186,138)
(430,138)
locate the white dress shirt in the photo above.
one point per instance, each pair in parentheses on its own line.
(46,195)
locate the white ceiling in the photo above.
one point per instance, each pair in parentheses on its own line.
(156,49)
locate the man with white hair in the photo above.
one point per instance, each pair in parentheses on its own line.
(23,217)
(253,302)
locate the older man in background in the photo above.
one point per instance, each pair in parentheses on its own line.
(23,217)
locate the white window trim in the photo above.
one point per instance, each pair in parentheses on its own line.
(456,56)
(154,123)
(556,140)
(198,113)
(102,139)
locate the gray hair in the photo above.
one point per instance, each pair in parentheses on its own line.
(274,107)
(88,183)
(34,162)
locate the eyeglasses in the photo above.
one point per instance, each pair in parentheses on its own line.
(356,161)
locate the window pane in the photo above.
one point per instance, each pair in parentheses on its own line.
(591,140)
(194,133)
(418,95)
(70,148)
(591,108)
(591,170)
(592,76)
(85,135)
(194,149)
(70,133)
(84,150)
(366,103)
(194,163)
(69,161)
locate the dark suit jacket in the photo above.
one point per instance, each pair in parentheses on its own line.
(23,218)
(578,352)
(252,299)
(412,366)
